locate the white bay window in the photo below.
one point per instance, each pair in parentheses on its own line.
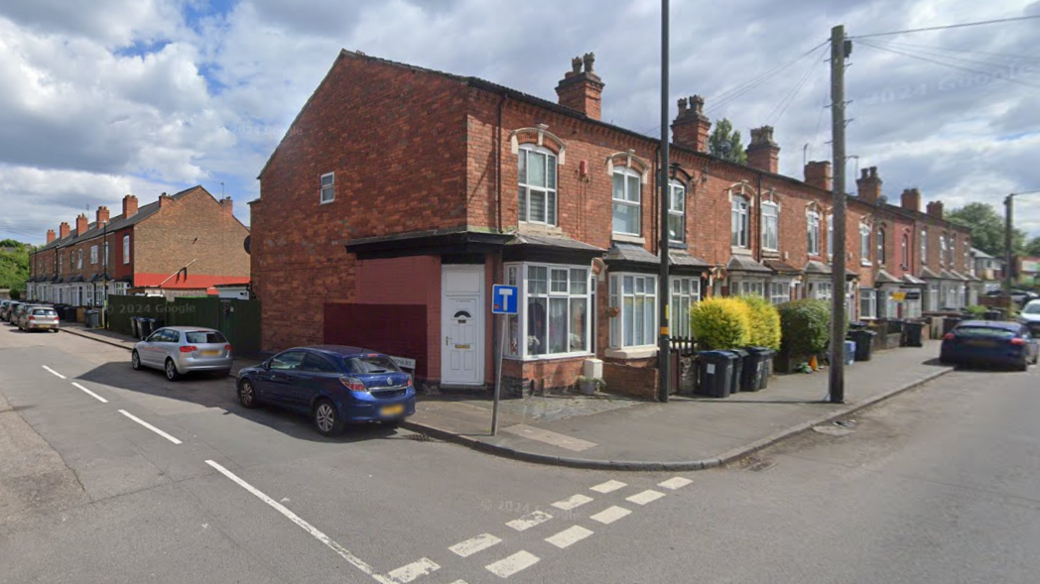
(635,297)
(686,291)
(553,315)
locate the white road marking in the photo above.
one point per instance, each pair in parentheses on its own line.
(610,515)
(530,520)
(343,553)
(675,483)
(571,503)
(477,544)
(569,536)
(505,568)
(53,371)
(91,393)
(459,582)
(647,496)
(608,487)
(414,570)
(149,426)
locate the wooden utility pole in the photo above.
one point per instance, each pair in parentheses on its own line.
(840,49)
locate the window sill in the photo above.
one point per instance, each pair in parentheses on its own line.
(677,245)
(326,202)
(643,352)
(553,357)
(866,264)
(621,237)
(737,250)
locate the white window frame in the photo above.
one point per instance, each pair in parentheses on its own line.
(868,299)
(519,274)
(126,249)
(677,210)
(864,244)
(882,251)
(904,251)
(548,192)
(744,286)
(770,215)
(779,290)
(830,236)
(924,247)
(93,255)
(943,245)
(626,198)
(819,289)
(327,190)
(812,221)
(618,296)
(79,259)
(740,221)
(685,292)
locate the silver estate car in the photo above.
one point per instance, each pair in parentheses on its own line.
(178,350)
(39,318)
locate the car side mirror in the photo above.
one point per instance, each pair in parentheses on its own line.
(266,365)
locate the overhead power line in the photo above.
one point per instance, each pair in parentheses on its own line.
(720,100)
(945,27)
(952,66)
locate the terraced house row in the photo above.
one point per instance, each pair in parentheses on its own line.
(180,244)
(400,195)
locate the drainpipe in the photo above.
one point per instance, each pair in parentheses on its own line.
(498,164)
(758,216)
(655,204)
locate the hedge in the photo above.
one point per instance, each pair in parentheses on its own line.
(765,322)
(721,323)
(805,327)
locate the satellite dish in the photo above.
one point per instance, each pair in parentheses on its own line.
(246,243)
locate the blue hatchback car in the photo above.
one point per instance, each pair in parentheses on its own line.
(335,385)
(987,342)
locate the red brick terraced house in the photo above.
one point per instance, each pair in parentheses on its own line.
(400,195)
(181,244)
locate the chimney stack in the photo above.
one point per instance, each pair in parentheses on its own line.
(64,230)
(818,174)
(691,128)
(763,153)
(911,200)
(227,205)
(582,90)
(164,199)
(129,206)
(51,236)
(935,209)
(82,224)
(869,185)
(102,215)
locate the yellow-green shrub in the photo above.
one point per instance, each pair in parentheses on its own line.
(721,323)
(765,322)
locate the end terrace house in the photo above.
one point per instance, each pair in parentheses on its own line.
(180,244)
(400,195)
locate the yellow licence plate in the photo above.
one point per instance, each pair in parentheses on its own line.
(212,353)
(392,410)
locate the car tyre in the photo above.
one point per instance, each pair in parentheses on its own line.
(247,394)
(135,361)
(391,424)
(171,370)
(327,419)
(1023,366)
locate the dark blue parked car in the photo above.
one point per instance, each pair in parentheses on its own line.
(335,385)
(987,342)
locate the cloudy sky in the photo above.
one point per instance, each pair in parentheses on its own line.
(146,96)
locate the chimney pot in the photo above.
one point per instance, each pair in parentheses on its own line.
(64,229)
(51,235)
(82,224)
(935,209)
(102,215)
(818,174)
(911,200)
(691,128)
(869,185)
(582,90)
(763,153)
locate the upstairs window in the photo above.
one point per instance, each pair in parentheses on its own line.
(93,254)
(328,187)
(942,249)
(864,244)
(770,226)
(881,246)
(627,196)
(830,236)
(813,220)
(739,222)
(904,251)
(537,185)
(126,249)
(676,212)
(79,260)
(924,247)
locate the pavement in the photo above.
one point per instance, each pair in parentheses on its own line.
(689,433)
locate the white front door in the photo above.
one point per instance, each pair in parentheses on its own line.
(462,325)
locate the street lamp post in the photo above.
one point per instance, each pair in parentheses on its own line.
(1009,256)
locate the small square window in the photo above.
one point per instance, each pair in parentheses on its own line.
(328,188)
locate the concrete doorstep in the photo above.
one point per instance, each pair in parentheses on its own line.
(689,433)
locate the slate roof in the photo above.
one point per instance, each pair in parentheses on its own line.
(814,267)
(781,267)
(883,277)
(552,241)
(912,280)
(929,275)
(741,263)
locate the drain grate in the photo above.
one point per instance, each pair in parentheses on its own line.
(761,465)
(420,437)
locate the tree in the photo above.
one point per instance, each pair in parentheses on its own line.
(14,265)
(1033,247)
(726,144)
(987,228)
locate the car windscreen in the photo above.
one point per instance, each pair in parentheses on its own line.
(1031,308)
(371,364)
(44,312)
(988,332)
(204,337)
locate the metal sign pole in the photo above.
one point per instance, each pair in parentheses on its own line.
(498,375)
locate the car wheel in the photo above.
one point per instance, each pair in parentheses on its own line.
(247,394)
(1023,366)
(135,361)
(171,370)
(326,418)
(391,424)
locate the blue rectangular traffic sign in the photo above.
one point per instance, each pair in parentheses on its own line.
(504,299)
